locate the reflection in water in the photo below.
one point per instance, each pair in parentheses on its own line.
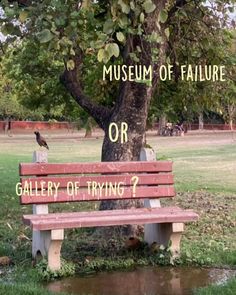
(143,281)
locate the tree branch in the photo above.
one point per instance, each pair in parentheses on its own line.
(71,82)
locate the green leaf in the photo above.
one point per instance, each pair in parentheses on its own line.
(10,12)
(113,49)
(101,53)
(72,52)
(123,21)
(155,37)
(98,44)
(120,37)
(108,26)
(149,6)
(132,5)
(167,32)
(102,37)
(141,17)
(163,16)
(124,7)
(10,29)
(23,16)
(75,14)
(134,57)
(45,36)
(70,65)
(106,56)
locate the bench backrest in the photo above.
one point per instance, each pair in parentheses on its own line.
(44,183)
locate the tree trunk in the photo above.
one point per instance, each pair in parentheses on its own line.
(231,124)
(231,113)
(200,121)
(162,123)
(132,110)
(88,128)
(131,105)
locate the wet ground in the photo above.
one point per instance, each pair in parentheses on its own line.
(143,281)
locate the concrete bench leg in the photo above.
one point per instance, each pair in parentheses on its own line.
(175,238)
(48,244)
(163,233)
(54,249)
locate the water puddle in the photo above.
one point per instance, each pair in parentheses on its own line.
(143,281)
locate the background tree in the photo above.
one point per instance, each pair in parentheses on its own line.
(131,30)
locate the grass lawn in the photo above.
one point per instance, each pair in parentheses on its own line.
(205,169)
(24,289)
(227,289)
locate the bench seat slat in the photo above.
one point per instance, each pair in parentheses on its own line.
(144,179)
(91,219)
(84,195)
(30,217)
(95,167)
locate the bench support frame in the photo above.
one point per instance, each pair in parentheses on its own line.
(48,244)
(161,233)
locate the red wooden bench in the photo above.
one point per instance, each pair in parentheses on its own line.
(155,180)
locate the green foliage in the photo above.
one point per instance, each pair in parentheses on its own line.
(163,16)
(34,90)
(178,98)
(24,289)
(45,36)
(149,6)
(64,29)
(102,264)
(159,256)
(227,288)
(101,31)
(67,269)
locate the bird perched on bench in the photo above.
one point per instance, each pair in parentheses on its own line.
(40,140)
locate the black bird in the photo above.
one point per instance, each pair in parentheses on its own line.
(40,140)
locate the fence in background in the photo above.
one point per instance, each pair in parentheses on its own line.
(206,126)
(41,125)
(35,125)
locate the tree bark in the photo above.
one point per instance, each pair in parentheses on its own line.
(132,109)
(162,123)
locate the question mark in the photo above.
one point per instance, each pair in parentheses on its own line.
(135,180)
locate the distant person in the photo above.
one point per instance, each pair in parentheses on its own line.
(180,127)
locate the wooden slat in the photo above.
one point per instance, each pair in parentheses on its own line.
(135,217)
(144,179)
(96,167)
(83,195)
(65,215)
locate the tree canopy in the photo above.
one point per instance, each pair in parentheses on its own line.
(77,37)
